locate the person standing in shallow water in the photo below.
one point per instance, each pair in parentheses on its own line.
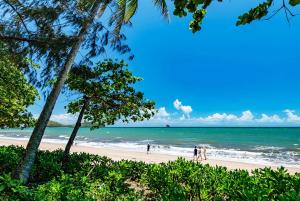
(204,153)
(148,148)
(195,153)
(199,154)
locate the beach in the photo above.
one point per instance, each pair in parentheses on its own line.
(119,154)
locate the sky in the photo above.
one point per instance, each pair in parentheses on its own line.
(221,76)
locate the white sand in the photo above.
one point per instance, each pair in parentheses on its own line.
(118,154)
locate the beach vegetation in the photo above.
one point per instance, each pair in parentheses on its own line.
(16,93)
(92,177)
(105,95)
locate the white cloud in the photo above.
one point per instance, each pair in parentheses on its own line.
(186,109)
(246,116)
(64,118)
(182,118)
(219,117)
(269,119)
(291,117)
(162,113)
(222,117)
(177,104)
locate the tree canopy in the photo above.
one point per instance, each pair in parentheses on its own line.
(198,9)
(106,95)
(45,31)
(109,93)
(16,94)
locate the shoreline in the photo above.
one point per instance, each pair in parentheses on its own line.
(119,154)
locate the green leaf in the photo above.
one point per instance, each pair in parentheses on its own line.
(294,2)
(255,13)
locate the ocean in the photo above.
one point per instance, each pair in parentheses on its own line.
(269,146)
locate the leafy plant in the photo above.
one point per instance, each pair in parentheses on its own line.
(12,189)
(92,177)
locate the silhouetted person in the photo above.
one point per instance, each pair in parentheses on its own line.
(195,153)
(148,148)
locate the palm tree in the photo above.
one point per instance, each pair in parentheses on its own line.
(124,12)
(126,9)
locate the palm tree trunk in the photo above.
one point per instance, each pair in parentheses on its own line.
(24,170)
(75,130)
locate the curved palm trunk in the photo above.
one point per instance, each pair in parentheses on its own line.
(75,130)
(32,147)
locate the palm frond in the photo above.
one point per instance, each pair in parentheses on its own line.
(103,7)
(132,6)
(162,5)
(126,9)
(118,18)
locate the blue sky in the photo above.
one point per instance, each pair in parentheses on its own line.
(222,76)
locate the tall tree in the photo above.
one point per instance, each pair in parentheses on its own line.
(39,129)
(106,95)
(16,94)
(45,30)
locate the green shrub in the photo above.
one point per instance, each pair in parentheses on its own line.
(47,165)
(12,189)
(91,177)
(9,158)
(68,187)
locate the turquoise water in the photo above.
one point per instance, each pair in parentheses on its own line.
(257,145)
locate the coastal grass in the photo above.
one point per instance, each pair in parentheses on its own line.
(92,177)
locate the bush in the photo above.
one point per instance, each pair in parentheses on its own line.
(11,189)
(92,177)
(9,158)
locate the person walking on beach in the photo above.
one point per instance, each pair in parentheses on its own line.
(199,154)
(195,153)
(204,153)
(148,148)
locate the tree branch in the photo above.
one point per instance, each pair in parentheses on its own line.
(38,40)
(20,16)
(22,39)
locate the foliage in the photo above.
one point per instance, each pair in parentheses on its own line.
(192,6)
(16,94)
(124,10)
(12,189)
(91,177)
(45,32)
(294,2)
(255,13)
(109,95)
(198,9)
